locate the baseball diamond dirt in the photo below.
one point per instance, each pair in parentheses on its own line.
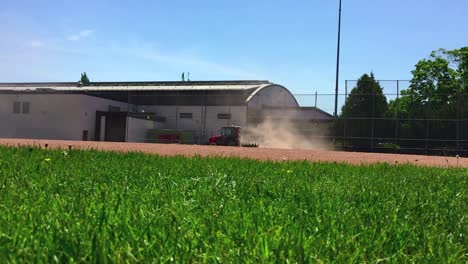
(250,153)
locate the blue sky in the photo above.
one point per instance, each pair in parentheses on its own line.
(292,42)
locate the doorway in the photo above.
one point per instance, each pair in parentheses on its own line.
(114,126)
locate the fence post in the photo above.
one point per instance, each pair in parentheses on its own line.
(315,105)
(204,136)
(458,123)
(345,119)
(373,119)
(127,118)
(397,121)
(177,110)
(427,123)
(202,107)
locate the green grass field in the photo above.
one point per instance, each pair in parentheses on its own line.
(91,206)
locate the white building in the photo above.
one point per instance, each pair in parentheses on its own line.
(129,111)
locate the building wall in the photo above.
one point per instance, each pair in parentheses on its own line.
(52,116)
(302,114)
(65,116)
(213,124)
(205,121)
(137,128)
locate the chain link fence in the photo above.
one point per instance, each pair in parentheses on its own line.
(430,121)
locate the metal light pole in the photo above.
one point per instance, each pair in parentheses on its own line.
(337,62)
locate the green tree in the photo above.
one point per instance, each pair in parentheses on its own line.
(459,59)
(84,78)
(360,115)
(435,87)
(436,92)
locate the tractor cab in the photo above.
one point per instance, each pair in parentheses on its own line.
(228,136)
(230,131)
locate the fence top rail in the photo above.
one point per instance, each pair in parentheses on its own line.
(402,80)
(370,94)
(389,80)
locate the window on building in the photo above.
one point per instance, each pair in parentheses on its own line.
(186,115)
(224,116)
(16,107)
(25,108)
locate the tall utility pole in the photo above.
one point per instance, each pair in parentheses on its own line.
(337,62)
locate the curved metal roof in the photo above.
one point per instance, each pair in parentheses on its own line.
(124,86)
(235,92)
(264,86)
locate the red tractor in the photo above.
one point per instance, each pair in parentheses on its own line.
(229,136)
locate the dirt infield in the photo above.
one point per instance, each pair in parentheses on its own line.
(252,153)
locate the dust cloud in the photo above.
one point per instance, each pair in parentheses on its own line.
(286,134)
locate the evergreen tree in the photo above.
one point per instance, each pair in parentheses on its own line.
(361,113)
(84,78)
